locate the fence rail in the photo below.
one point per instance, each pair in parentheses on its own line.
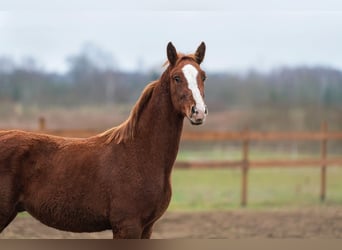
(261,136)
(245,137)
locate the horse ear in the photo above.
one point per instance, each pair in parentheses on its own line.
(171,54)
(200,52)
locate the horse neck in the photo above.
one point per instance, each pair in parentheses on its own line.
(159,128)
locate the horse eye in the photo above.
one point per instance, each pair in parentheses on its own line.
(177,79)
(204,78)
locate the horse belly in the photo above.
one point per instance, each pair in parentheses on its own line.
(73,220)
(66,212)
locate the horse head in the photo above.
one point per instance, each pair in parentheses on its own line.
(186,80)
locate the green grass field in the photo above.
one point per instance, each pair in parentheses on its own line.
(220,189)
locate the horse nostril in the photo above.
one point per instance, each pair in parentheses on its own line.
(194,110)
(206,110)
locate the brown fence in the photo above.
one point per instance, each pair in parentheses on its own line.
(245,137)
(245,163)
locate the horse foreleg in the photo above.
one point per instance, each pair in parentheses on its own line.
(132,232)
(147,232)
(126,230)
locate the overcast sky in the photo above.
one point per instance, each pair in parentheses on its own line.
(239,36)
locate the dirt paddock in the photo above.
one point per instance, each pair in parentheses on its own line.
(320,222)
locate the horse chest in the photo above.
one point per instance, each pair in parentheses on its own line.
(160,208)
(155,202)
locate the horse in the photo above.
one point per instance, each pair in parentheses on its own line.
(117,180)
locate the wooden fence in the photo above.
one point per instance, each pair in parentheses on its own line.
(245,164)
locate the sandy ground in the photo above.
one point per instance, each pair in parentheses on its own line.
(314,222)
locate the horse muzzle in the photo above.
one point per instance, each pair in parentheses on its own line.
(197,116)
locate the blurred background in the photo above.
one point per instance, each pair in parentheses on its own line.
(271,66)
(268,70)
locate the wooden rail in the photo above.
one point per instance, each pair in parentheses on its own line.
(245,137)
(261,136)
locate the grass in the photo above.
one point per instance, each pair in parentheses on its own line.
(220,189)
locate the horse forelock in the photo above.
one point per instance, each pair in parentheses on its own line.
(127,129)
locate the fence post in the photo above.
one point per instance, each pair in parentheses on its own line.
(245,167)
(41,123)
(324,129)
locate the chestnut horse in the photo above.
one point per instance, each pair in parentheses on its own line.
(118,180)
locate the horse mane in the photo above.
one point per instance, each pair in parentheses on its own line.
(127,129)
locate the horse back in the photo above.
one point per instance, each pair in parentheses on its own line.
(19,149)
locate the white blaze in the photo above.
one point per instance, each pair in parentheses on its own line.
(190,73)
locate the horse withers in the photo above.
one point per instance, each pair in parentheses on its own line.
(118,180)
